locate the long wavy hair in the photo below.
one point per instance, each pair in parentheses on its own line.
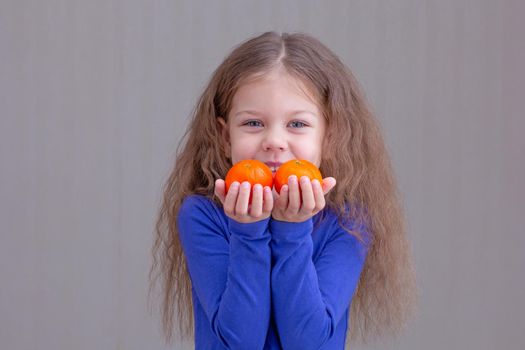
(354,153)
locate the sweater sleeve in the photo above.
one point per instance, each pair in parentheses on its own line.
(309,299)
(231,278)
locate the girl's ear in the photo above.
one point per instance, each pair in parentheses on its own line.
(225,135)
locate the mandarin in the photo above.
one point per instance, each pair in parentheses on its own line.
(298,168)
(252,170)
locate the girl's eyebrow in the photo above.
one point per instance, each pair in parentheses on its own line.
(289,113)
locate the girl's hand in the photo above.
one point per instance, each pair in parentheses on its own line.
(289,206)
(236,201)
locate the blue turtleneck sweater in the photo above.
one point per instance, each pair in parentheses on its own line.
(269,284)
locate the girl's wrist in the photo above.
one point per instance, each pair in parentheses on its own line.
(290,229)
(248,228)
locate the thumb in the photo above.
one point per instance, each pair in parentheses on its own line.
(220,190)
(328,184)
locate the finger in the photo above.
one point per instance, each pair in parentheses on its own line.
(220,190)
(275,194)
(294,201)
(257,201)
(320,201)
(268,200)
(231,198)
(241,208)
(308,199)
(328,184)
(282,198)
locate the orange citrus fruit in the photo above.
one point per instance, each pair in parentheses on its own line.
(298,168)
(251,170)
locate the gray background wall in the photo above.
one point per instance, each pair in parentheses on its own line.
(94,96)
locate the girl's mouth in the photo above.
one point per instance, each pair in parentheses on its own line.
(273,166)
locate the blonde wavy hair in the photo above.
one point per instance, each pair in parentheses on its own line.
(354,153)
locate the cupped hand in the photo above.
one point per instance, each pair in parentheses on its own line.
(236,202)
(299,201)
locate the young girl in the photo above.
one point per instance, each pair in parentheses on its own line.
(294,270)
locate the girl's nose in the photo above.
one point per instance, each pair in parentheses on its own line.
(274,140)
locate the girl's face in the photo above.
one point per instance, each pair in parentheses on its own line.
(273,120)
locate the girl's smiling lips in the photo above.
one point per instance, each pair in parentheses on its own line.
(273,165)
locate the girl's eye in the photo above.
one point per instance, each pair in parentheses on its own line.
(298,124)
(253,123)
